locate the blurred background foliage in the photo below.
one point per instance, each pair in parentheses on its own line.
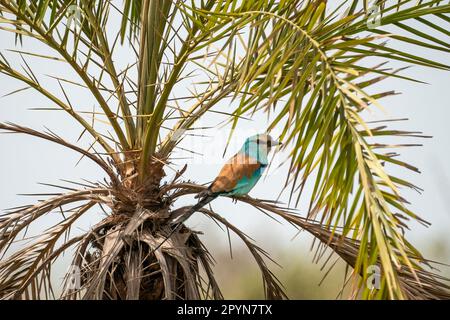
(302,278)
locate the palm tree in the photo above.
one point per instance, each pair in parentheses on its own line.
(311,65)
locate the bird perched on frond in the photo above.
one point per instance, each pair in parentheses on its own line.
(238,176)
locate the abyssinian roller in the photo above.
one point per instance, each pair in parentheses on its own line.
(239,175)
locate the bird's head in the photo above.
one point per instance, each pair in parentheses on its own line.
(262,140)
(259,146)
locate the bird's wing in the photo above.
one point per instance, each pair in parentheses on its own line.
(233,171)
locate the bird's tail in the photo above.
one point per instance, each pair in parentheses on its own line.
(205,197)
(203,194)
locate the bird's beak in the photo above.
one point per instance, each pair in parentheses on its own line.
(276,143)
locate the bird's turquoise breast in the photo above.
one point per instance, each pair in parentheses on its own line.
(246,184)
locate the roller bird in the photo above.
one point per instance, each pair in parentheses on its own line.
(238,175)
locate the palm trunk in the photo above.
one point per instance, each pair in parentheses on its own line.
(132,255)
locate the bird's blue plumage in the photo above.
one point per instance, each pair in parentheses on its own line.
(255,149)
(246,184)
(238,176)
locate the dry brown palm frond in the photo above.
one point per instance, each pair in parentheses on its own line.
(272,286)
(11,127)
(21,270)
(16,220)
(212,290)
(130,261)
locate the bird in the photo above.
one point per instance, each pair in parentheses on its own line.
(238,175)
